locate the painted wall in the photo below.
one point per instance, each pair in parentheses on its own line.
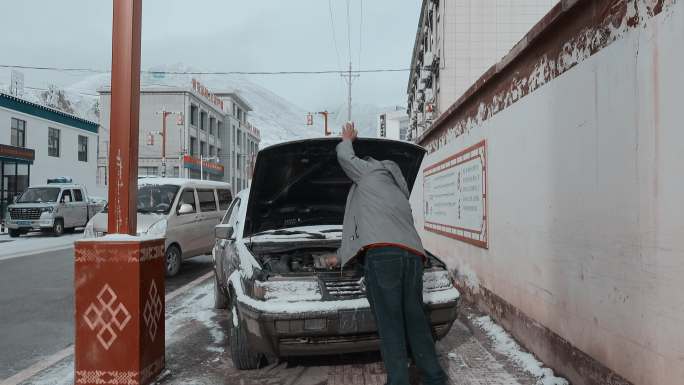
(585,213)
(45,166)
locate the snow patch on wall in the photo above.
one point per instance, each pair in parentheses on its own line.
(506,345)
(467,276)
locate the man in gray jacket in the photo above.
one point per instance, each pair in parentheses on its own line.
(378,223)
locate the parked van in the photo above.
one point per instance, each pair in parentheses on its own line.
(184,211)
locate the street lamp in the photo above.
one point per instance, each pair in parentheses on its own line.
(202,159)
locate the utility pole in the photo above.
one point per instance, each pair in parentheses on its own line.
(349,78)
(164,114)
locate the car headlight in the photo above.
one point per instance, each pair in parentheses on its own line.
(158,228)
(437,280)
(47,209)
(287,290)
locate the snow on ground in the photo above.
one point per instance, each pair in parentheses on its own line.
(195,306)
(34,243)
(192,308)
(506,345)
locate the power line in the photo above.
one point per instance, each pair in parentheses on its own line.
(348,33)
(360,33)
(332,26)
(319,72)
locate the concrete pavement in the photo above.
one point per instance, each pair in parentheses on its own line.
(197,354)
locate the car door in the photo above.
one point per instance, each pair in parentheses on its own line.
(209,217)
(66,208)
(226,257)
(184,228)
(80,208)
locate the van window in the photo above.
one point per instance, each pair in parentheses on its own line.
(78,195)
(207,200)
(187,197)
(224,197)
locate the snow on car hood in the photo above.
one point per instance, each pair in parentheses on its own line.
(301,183)
(145,221)
(299,234)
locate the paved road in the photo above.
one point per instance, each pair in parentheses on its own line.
(36,305)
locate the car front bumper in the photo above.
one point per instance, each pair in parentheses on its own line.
(25,224)
(333,331)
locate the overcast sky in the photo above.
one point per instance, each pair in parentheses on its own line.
(226,35)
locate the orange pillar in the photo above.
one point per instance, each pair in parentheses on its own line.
(119,278)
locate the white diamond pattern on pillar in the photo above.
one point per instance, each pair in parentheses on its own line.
(107,315)
(153,310)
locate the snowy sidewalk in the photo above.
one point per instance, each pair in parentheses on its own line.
(35,243)
(196,337)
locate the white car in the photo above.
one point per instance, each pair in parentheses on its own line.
(271,246)
(184,211)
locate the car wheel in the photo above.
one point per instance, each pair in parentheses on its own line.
(243,357)
(58,228)
(14,233)
(173,260)
(220,298)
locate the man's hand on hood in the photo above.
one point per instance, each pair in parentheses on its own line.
(349,132)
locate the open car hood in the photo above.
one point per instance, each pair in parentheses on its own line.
(300,183)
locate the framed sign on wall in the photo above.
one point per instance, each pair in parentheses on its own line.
(455,196)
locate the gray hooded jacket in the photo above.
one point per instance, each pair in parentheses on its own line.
(378,209)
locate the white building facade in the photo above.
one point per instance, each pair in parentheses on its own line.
(38,142)
(393,124)
(457,41)
(207,135)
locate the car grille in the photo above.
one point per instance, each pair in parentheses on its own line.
(345,288)
(25,213)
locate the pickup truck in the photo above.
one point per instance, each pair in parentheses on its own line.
(51,208)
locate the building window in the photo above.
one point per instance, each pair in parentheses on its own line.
(239,138)
(193,146)
(18,133)
(203,120)
(193,115)
(211,150)
(219,127)
(82,148)
(176,171)
(148,171)
(53,142)
(212,125)
(203,148)
(218,154)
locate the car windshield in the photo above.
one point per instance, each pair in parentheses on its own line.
(39,195)
(156,198)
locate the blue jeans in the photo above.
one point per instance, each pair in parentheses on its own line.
(394,281)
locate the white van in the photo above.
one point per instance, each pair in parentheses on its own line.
(184,211)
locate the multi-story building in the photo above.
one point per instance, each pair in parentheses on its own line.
(393,124)
(38,142)
(456,43)
(206,134)
(243,138)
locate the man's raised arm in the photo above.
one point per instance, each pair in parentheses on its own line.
(352,165)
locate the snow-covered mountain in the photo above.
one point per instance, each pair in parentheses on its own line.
(277,118)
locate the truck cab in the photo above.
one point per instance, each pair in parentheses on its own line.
(55,207)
